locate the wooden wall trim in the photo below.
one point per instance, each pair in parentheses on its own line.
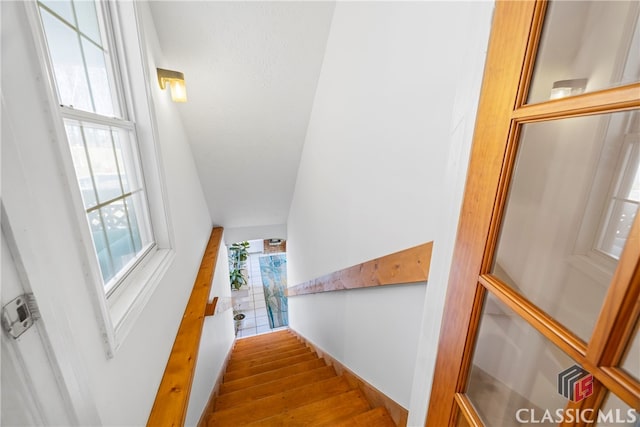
(170,406)
(407,266)
(375,397)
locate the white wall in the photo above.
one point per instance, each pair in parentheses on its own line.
(382,170)
(121,390)
(216,342)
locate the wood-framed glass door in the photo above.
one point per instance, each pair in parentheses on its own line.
(541,318)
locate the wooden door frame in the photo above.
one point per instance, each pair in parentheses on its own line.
(514,39)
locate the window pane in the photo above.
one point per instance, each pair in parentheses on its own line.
(128,161)
(88,19)
(133,222)
(103,162)
(593,41)
(614,412)
(559,198)
(139,218)
(98,79)
(62,8)
(514,376)
(81,164)
(119,237)
(64,48)
(100,244)
(631,360)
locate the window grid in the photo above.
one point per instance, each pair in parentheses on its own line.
(82,37)
(118,219)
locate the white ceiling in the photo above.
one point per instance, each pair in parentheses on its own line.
(251,70)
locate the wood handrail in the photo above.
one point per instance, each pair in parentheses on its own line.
(172,399)
(407,266)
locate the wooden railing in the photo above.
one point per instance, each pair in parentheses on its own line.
(407,266)
(170,406)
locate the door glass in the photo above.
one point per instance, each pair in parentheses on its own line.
(631,360)
(514,376)
(563,228)
(586,46)
(614,413)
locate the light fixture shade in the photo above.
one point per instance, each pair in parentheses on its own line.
(175,79)
(178,91)
(564,88)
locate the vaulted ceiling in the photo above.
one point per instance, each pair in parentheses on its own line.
(251,70)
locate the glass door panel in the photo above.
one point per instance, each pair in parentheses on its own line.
(564,227)
(586,46)
(514,375)
(631,360)
(615,413)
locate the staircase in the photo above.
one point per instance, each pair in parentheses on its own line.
(275,380)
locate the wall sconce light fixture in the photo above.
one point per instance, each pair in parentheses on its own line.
(175,79)
(564,88)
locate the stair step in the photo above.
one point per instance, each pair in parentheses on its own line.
(265,349)
(240,397)
(323,412)
(242,364)
(227,387)
(271,336)
(278,403)
(257,344)
(378,417)
(269,366)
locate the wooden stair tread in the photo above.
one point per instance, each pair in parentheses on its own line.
(240,364)
(276,404)
(324,412)
(264,350)
(269,366)
(267,336)
(228,400)
(242,343)
(378,417)
(275,374)
(240,346)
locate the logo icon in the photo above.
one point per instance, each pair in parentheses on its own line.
(575,383)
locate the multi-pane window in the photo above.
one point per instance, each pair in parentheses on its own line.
(101,136)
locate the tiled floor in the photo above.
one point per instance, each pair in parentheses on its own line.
(251,302)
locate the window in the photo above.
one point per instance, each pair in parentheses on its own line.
(102,139)
(95,56)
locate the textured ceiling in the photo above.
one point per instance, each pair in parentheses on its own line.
(251,70)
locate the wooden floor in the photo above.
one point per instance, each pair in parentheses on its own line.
(275,380)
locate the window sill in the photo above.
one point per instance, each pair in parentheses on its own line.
(126,305)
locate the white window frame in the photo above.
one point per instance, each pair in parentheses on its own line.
(118,312)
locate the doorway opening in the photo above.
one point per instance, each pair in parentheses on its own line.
(260,302)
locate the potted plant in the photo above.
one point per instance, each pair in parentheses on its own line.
(238,254)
